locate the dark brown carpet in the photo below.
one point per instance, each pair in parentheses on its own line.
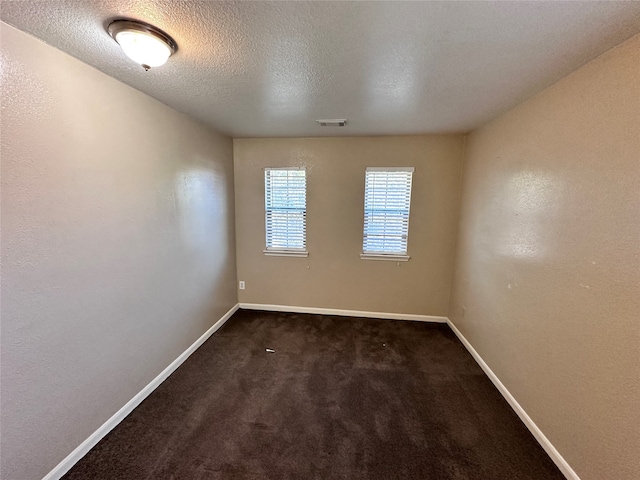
(341,398)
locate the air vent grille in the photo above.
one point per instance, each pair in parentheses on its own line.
(336,122)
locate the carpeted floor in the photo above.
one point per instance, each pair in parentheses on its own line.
(341,398)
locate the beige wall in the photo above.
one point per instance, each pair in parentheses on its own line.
(547,280)
(118,247)
(334,276)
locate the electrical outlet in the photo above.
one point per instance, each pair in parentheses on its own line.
(241,282)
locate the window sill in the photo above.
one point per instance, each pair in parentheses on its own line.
(286,253)
(384,256)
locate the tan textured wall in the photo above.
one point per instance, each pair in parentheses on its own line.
(547,280)
(334,276)
(117,247)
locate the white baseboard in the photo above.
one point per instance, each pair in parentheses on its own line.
(65,465)
(343,313)
(560,462)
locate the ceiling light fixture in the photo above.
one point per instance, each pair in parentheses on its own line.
(337,122)
(143,43)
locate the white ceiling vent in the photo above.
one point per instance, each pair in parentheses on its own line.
(336,122)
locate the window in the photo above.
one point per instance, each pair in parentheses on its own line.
(387,198)
(285,200)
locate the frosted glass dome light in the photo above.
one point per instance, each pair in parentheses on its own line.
(142,43)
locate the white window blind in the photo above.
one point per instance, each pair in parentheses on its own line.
(285,209)
(387,199)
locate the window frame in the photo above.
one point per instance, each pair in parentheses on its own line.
(387,255)
(268,188)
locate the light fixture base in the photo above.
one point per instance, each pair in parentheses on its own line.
(121,27)
(121,24)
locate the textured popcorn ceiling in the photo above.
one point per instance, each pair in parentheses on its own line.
(272,68)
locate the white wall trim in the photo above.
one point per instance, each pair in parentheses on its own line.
(387,257)
(285,253)
(560,462)
(65,465)
(343,313)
